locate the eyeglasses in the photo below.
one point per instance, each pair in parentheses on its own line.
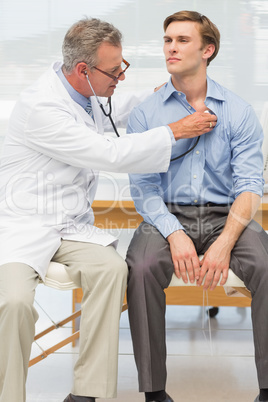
(115,77)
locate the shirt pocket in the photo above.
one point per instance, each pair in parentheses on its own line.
(218,152)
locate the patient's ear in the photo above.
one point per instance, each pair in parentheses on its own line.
(208,51)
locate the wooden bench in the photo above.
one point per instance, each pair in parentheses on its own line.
(123,215)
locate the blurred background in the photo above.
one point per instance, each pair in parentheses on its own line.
(31,34)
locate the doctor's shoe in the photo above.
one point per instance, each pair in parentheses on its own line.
(258,399)
(77,398)
(168,399)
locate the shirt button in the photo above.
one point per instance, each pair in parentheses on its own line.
(179,93)
(195,176)
(189,107)
(195,201)
(197,152)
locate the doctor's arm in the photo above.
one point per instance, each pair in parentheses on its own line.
(189,127)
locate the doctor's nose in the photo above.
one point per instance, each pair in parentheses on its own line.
(122,76)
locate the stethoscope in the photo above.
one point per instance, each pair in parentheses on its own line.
(187,152)
(195,144)
(113,125)
(109,114)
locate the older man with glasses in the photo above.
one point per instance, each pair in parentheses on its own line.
(53,151)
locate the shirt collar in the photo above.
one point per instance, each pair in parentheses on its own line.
(169,90)
(213,90)
(76,96)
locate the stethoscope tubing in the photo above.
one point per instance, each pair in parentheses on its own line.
(109,114)
(187,152)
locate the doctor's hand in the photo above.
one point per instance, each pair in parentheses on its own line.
(193,125)
(160,86)
(184,256)
(215,265)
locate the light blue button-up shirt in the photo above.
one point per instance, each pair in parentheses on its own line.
(226,162)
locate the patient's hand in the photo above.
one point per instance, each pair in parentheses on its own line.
(184,256)
(215,265)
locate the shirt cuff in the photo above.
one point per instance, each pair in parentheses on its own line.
(169,225)
(173,141)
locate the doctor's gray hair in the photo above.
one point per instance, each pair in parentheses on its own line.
(83,39)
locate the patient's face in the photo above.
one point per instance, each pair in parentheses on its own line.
(183,49)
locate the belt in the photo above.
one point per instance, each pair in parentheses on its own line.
(212,204)
(207,204)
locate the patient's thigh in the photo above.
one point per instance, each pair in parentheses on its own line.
(149,255)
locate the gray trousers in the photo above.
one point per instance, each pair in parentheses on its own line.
(102,274)
(150,272)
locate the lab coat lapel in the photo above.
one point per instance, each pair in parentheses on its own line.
(79,112)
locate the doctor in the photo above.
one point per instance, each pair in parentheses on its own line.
(52,153)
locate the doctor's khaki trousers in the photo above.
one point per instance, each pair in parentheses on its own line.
(150,272)
(102,274)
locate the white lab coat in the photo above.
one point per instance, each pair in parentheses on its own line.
(49,169)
